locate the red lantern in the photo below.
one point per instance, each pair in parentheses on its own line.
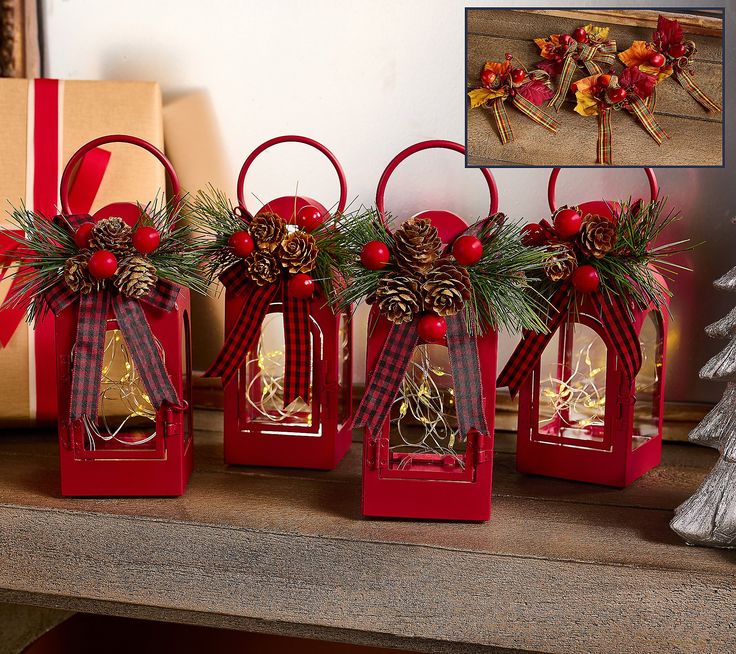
(407,472)
(132,448)
(309,433)
(580,417)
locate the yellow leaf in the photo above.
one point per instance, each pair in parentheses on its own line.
(659,73)
(478,97)
(596,33)
(587,104)
(636,55)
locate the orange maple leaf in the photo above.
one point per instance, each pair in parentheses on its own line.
(638,54)
(500,68)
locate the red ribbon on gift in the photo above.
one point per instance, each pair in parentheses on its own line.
(244,335)
(616,322)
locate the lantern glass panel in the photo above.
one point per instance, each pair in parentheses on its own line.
(572,386)
(265,375)
(424,428)
(648,381)
(126,417)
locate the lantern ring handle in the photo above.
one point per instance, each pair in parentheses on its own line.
(76,158)
(428,145)
(653,187)
(292,138)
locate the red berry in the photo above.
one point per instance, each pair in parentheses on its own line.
(375,255)
(102,264)
(518,75)
(532,234)
(657,60)
(467,250)
(567,222)
(677,50)
(241,244)
(574,87)
(431,327)
(565,39)
(586,279)
(617,95)
(301,285)
(604,80)
(309,218)
(146,239)
(487,77)
(82,235)
(580,35)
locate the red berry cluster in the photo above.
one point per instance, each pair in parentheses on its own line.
(605,93)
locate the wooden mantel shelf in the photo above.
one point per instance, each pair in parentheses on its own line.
(561,567)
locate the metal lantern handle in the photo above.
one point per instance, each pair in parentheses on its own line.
(653,187)
(428,145)
(76,158)
(292,139)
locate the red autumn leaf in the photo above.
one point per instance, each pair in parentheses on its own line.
(536,91)
(642,83)
(552,68)
(668,32)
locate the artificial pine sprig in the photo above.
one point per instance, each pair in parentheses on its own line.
(499,291)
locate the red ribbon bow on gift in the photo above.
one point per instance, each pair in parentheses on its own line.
(244,335)
(90,341)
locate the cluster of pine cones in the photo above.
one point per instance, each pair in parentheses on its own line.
(595,239)
(276,249)
(135,275)
(424,281)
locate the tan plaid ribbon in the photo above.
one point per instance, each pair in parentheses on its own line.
(687,82)
(595,57)
(529,109)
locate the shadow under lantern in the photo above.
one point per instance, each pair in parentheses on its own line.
(580,416)
(419,465)
(310,432)
(131,448)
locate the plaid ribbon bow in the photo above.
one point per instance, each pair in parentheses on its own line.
(392,366)
(90,340)
(244,334)
(614,319)
(596,57)
(529,109)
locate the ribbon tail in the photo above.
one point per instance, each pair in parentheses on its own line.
(688,83)
(651,101)
(563,84)
(604,137)
(530,349)
(243,335)
(298,349)
(142,347)
(387,376)
(468,386)
(638,107)
(89,351)
(617,321)
(505,133)
(532,111)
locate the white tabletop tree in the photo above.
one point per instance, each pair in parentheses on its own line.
(708,517)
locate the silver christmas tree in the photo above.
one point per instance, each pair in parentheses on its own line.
(708,517)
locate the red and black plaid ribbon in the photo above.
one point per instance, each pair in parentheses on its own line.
(394,362)
(244,335)
(614,319)
(89,346)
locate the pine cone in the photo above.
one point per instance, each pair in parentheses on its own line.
(262,267)
(136,276)
(597,236)
(398,297)
(561,264)
(446,288)
(76,274)
(112,234)
(298,252)
(267,230)
(416,245)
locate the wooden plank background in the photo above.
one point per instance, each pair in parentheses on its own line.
(696,136)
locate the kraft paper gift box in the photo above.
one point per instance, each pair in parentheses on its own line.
(44,122)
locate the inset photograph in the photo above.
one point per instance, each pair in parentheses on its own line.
(623,87)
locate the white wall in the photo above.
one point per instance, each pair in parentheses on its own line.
(365,77)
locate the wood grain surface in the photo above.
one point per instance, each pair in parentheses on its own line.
(562,567)
(696,137)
